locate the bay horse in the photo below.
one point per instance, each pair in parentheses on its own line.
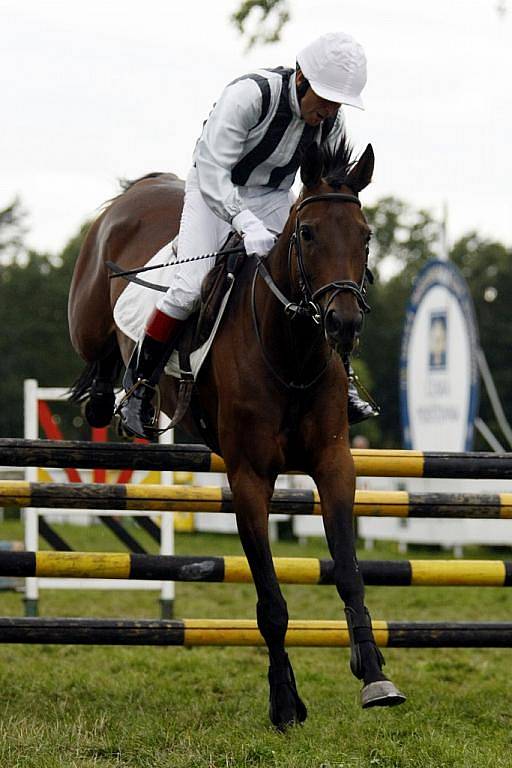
(273,389)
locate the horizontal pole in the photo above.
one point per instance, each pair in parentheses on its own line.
(231,632)
(161,498)
(16,452)
(235,570)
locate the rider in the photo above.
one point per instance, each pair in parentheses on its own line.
(245,163)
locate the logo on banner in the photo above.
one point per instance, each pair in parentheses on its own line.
(438,367)
(438,341)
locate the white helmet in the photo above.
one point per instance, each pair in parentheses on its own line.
(335,65)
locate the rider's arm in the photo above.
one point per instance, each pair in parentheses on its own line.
(223,143)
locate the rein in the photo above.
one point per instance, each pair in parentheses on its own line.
(308,306)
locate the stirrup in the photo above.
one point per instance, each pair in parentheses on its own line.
(151,426)
(359,409)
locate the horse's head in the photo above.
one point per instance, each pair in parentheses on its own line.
(331,239)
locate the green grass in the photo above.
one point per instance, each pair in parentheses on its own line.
(65,706)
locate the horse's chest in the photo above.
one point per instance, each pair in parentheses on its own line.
(293,433)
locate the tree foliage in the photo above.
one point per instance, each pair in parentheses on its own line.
(408,239)
(12,231)
(261,21)
(403,241)
(33,316)
(273,15)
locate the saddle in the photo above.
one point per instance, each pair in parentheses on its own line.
(215,286)
(198,329)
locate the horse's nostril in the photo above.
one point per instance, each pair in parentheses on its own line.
(333,323)
(339,327)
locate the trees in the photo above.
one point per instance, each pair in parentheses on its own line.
(34,342)
(486,266)
(262,21)
(270,17)
(403,240)
(12,231)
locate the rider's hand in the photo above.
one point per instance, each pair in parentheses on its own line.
(257,238)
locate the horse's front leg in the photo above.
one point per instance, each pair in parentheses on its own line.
(335,479)
(251,497)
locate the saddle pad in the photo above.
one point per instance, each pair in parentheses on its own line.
(136,303)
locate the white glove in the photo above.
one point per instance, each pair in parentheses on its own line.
(257,238)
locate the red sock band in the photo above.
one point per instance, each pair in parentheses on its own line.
(160,326)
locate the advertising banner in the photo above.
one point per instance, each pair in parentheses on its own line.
(438,366)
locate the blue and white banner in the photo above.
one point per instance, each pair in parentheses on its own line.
(439,383)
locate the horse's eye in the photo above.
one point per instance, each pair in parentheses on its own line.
(305,232)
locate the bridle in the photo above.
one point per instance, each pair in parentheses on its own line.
(336,286)
(308,306)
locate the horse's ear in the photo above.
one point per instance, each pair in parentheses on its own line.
(311,166)
(361,174)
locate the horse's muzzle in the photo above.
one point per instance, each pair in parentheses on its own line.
(342,331)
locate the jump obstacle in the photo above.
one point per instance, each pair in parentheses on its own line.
(197,458)
(126,497)
(37,417)
(232,632)
(235,570)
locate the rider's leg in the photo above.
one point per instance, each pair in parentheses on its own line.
(201,231)
(144,370)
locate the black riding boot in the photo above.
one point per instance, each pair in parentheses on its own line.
(143,373)
(358,409)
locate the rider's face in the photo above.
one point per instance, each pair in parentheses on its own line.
(314,109)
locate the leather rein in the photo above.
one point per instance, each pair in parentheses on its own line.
(308,306)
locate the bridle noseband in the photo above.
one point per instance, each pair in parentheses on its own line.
(308,306)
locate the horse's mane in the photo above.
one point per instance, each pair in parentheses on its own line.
(127,184)
(337,161)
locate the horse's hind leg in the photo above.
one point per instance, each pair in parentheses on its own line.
(251,496)
(336,490)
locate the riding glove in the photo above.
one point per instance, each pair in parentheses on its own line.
(257,238)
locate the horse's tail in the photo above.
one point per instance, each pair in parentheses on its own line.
(95,385)
(81,388)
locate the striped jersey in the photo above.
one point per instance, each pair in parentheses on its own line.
(253,138)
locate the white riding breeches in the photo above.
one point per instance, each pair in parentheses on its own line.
(202,231)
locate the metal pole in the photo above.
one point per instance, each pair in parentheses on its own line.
(167,536)
(30,514)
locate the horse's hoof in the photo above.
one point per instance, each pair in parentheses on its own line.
(99,411)
(289,717)
(382,693)
(286,707)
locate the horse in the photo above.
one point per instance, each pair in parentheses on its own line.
(273,390)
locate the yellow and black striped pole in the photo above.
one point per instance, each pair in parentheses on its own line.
(235,570)
(241,632)
(154,498)
(16,452)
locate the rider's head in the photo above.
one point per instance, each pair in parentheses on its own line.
(330,71)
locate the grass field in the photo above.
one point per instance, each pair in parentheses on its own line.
(65,706)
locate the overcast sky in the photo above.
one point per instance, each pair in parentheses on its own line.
(93,91)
